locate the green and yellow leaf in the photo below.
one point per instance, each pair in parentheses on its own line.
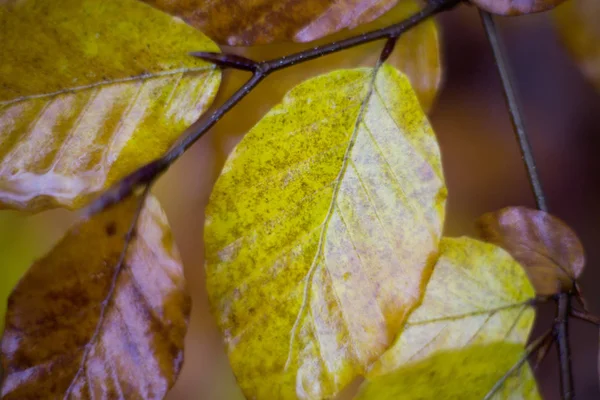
(545,246)
(577,23)
(321,232)
(95,322)
(243,22)
(89,91)
(466,335)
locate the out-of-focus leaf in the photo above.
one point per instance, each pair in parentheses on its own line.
(544,245)
(86,323)
(15,254)
(577,23)
(89,91)
(516,7)
(417,54)
(466,335)
(321,232)
(243,22)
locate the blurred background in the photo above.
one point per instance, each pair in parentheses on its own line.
(482,163)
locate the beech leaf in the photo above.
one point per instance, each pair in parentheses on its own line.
(516,7)
(417,53)
(90,91)
(243,22)
(544,245)
(321,232)
(86,322)
(469,331)
(577,23)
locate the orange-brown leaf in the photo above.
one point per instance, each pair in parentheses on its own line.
(244,22)
(84,323)
(516,7)
(544,245)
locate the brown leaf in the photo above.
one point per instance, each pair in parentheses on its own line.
(544,245)
(516,7)
(244,22)
(85,323)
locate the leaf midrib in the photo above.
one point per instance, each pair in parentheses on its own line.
(336,189)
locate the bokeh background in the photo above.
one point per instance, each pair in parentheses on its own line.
(482,163)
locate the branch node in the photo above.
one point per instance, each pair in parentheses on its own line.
(225,60)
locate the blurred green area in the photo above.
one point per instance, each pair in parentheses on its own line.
(23,239)
(16,254)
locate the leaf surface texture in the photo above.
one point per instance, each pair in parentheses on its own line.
(469,331)
(90,91)
(321,231)
(85,323)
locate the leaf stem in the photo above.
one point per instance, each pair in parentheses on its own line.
(149,172)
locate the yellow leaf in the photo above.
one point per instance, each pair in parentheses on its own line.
(89,91)
(90,321)
(466,335)
(466,374)
(577,23)
(321,232)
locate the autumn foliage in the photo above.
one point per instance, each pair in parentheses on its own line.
(325,255)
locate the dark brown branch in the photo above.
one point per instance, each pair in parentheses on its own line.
(261,70)
(514,108)
(228,60)
(562,339)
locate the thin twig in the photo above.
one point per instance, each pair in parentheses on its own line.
(584,316)
(514,108)
(533,347)
(562,340)
(560,325)
(543,350)
(261,70)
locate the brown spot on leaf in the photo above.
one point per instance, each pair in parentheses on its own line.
(111,228)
